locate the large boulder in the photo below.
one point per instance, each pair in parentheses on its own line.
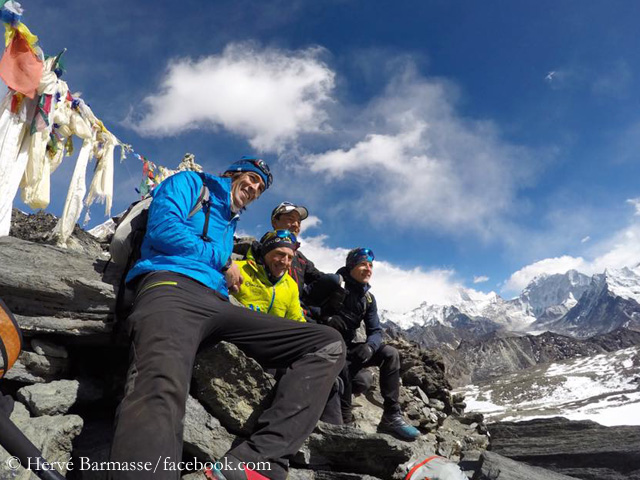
(53,435)
(233,387)
(53,290)
(378,455)
(33,368)
(204,437)
(497,467)
(58,397)
(582,449)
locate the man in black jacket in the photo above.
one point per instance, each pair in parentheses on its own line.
(288,216)
(345,308)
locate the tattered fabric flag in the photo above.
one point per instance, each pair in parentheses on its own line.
(20,69)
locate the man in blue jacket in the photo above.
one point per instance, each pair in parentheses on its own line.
(344,309)
(182,282)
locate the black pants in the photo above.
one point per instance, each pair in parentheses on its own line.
(388,359)
(168,323)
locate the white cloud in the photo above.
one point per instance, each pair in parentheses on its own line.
(396,289)
(621,249)
(270,96)
(480,279)
(636,204)
(310,222)
(585,239)
(422,164)
(523,277)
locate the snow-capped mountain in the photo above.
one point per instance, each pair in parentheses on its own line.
(611,301)
(604,388)
(571,303)
(547,291)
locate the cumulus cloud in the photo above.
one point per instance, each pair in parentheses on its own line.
(621,249)
(480,279)
(423,164)
(396,289)
(636,204)
(269,96)
(311,222)
(550,266)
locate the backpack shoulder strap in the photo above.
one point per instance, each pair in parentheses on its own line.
(203,202)
(202,198)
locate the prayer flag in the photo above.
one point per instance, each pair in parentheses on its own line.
(20,69)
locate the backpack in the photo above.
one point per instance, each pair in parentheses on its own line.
(10,339)
(433,468)
(127,239)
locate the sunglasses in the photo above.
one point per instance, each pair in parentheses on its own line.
(264,168)
(365,252)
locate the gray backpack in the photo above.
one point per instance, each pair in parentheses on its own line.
(132,226)
(127,241)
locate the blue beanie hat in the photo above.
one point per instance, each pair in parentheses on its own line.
(359,255)
(255,165)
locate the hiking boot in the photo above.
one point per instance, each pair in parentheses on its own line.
(396,425)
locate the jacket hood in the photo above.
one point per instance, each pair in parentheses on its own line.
(351,283)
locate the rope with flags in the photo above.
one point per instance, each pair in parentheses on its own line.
(38,119)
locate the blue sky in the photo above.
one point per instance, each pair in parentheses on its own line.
(458,140)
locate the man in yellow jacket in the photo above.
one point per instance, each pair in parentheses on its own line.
(266,284)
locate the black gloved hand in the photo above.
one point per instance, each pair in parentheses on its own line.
(337,322)
(362,353)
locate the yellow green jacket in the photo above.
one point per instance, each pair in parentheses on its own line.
(258,293)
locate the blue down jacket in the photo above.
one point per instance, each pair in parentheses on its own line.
(173,240)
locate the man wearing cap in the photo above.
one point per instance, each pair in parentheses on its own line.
(267,286)
(182,282)
(290,216)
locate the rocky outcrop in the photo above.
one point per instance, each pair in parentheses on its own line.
(581,449)
(38,228)
(500,354)
(232,386)
(497,467)
(204,437)
(58,397)
(55,291)
(53,435)
(63,302)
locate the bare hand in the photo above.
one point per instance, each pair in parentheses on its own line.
(234,278)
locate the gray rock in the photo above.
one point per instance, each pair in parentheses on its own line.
(58,397)
(33,368)
(50,398)
(301,474)
(204,437)
(232,387)
(436,404)
(66,284)
(49,349)
(582,449)
(195,476)
(68,327)
(53,435)
(327,445)
(497,467)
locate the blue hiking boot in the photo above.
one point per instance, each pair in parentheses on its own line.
(396,425)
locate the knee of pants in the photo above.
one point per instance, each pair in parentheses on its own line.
(334,349)
(390,356)
(362,382)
